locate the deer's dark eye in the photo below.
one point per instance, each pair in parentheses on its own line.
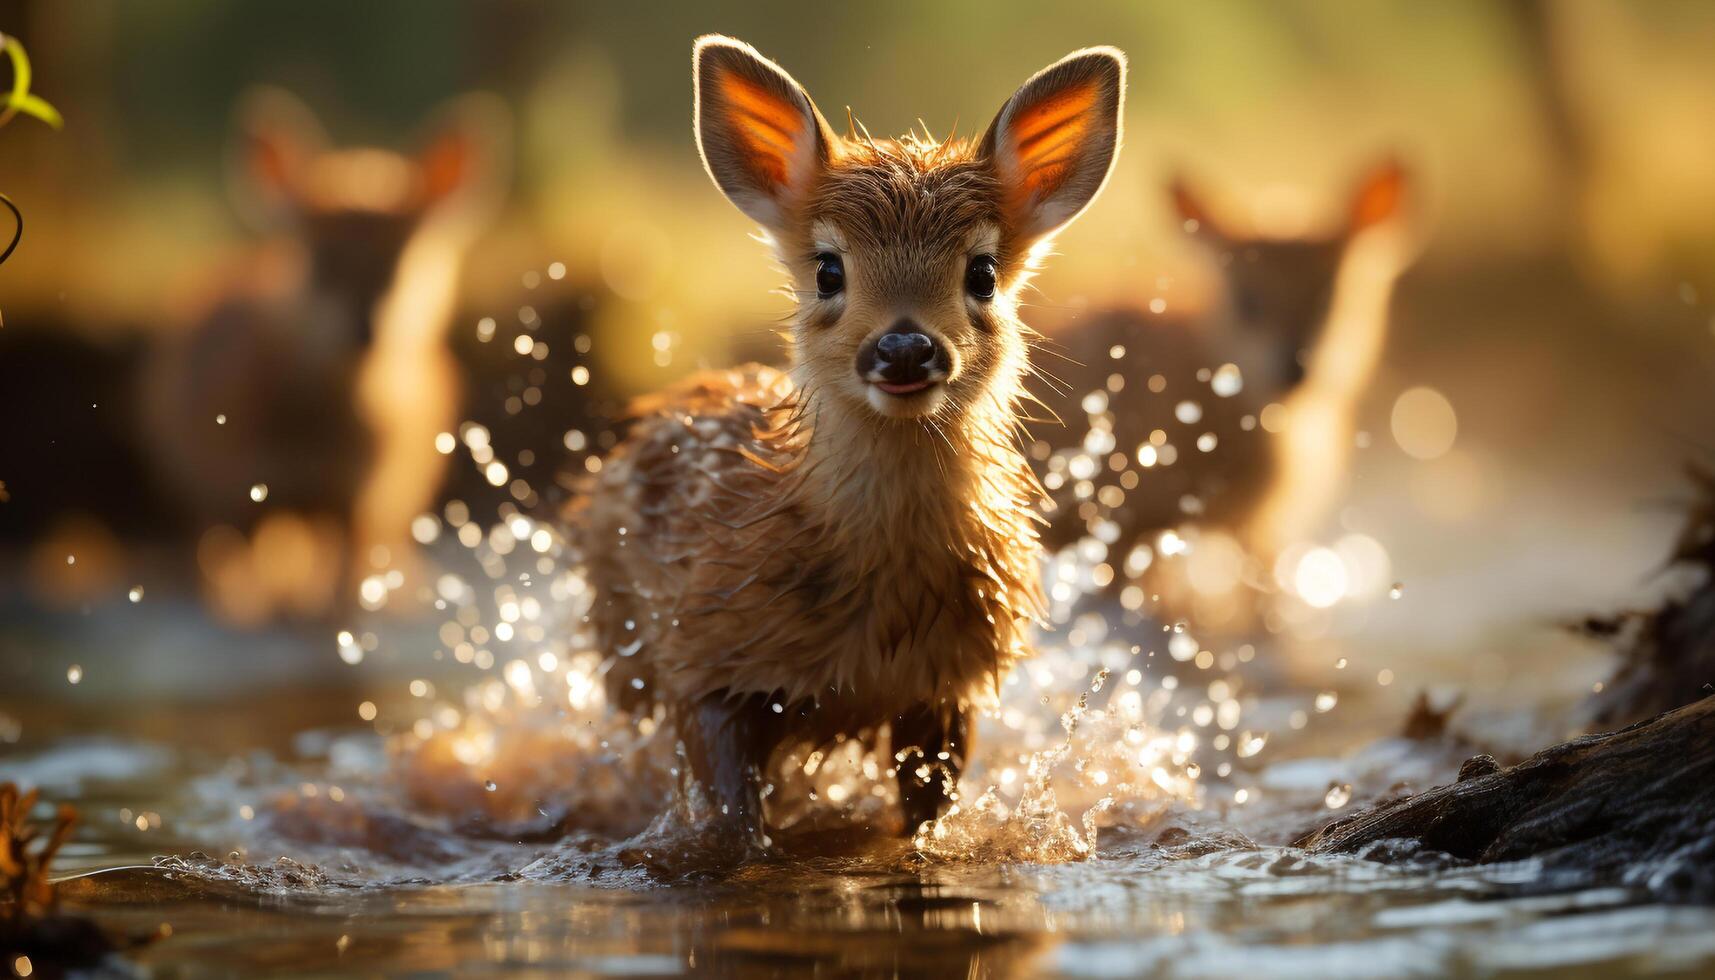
(830,275)
(979,277)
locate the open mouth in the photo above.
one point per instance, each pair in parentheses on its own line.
(909,388)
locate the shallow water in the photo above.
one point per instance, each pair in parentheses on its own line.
(258,870)
(1128,811)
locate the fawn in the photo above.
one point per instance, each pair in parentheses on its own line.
(326,381)
(1225,420)
(783,557)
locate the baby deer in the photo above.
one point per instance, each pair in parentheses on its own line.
(789,557)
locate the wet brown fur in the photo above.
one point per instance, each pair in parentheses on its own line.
(805,548)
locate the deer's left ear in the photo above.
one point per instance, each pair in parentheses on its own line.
(467,151)
(1056,139)
(1379,197)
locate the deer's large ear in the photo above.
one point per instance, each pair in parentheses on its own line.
(1194,216)
(466,153)
(1056,139)
(1380,196)
(275,136)
(759,134)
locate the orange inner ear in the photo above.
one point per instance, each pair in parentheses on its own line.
(767,126)
(270,164)
(1379,199)
(1047,136)
(1186,203)
(445,167)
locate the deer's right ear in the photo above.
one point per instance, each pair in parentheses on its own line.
(276,135)
(1380,196)
(759,134)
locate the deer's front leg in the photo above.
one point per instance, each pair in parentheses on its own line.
(729,742)
(930,745)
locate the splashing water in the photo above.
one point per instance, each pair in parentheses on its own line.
(507,730)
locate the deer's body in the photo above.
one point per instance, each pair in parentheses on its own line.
(1301,331)
(849,546)
(325,383)
(1116,406)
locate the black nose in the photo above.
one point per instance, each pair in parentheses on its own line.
(904,350)
(904,355)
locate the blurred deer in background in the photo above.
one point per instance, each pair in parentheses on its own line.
(1238,422)
(298,418)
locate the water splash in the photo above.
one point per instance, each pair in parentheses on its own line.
(507,734)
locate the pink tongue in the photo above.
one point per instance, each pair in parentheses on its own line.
(906,389)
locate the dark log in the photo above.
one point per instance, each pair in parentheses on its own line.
(1667,655)
(1634,807)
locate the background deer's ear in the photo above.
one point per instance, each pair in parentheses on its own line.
(1056,139)
(466,154)
(1188,207)
(759,134)
(1380,196)
(275,136)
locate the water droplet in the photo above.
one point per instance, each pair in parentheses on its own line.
(490,786)
(349,649)
(1397,590)
(74,674)
(1227,381)
(1338,795)
(136,593)
(259,492)
(1326,700)
(220,420)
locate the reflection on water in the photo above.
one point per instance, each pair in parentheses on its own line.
(1217,914)
(316,856)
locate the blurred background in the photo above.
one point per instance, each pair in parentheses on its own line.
(242,355)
